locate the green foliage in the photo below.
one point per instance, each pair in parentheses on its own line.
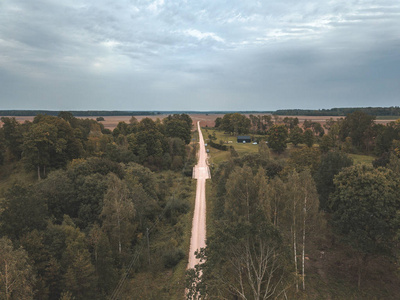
(233,251)
(331,164)
(13,136)
(172,256)
(326,143)
(16,275)
(308,138)
(80,278)
(235,124)
(358,126)
(365,208)
(218,146)
(305,158)
(277,138)
(296,135)
(22,211)
(179,126)
(291,122)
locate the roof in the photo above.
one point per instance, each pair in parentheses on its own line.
(244,137)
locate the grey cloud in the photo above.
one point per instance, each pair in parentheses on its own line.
(198,54)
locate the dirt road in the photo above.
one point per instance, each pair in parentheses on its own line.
(201,173)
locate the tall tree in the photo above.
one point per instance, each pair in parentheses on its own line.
(358,126)
(277,138)
(331,164)
(13,136)
(22,211)
(365,207)
(118,213)
(16,276)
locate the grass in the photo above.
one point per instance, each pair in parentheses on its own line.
(362,159)
(218,156)
(387,117)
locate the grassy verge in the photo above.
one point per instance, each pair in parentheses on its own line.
(362,159)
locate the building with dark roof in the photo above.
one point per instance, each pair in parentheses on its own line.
(244,139)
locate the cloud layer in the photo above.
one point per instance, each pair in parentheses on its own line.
(198,55)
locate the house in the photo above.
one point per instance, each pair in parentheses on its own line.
(243,139)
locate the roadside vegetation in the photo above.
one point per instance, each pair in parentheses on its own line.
(89,213)
(309,212)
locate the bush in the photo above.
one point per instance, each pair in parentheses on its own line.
(218,146)
(172,257)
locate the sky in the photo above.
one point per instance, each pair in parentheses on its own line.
(199,55)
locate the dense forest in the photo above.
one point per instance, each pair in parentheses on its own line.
(82,207)
(89,213)
(300,219)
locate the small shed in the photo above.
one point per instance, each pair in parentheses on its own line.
(243,139)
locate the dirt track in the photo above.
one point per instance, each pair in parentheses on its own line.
(201,173)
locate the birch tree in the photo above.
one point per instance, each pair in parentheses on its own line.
(16,276)
(118,213)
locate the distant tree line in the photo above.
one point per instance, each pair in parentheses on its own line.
(375,111)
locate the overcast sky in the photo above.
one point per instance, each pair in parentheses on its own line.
(198,55)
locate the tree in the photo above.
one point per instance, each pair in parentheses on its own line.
(364,208)
(291,122)
(103,260)
(302,158)
(13,135)
(331,164)
(326,143)
(118,212)
(16,276)
(308,138)
(358,126)
(296,135)
(276,137)
(318,129)
(246,260)
(179,126)
(80,278)
(2,146)
(218,122)
(50,142)
(235,124)
(22,211)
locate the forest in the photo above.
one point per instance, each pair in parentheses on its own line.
(82,208)
(297,217)
(90,213)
